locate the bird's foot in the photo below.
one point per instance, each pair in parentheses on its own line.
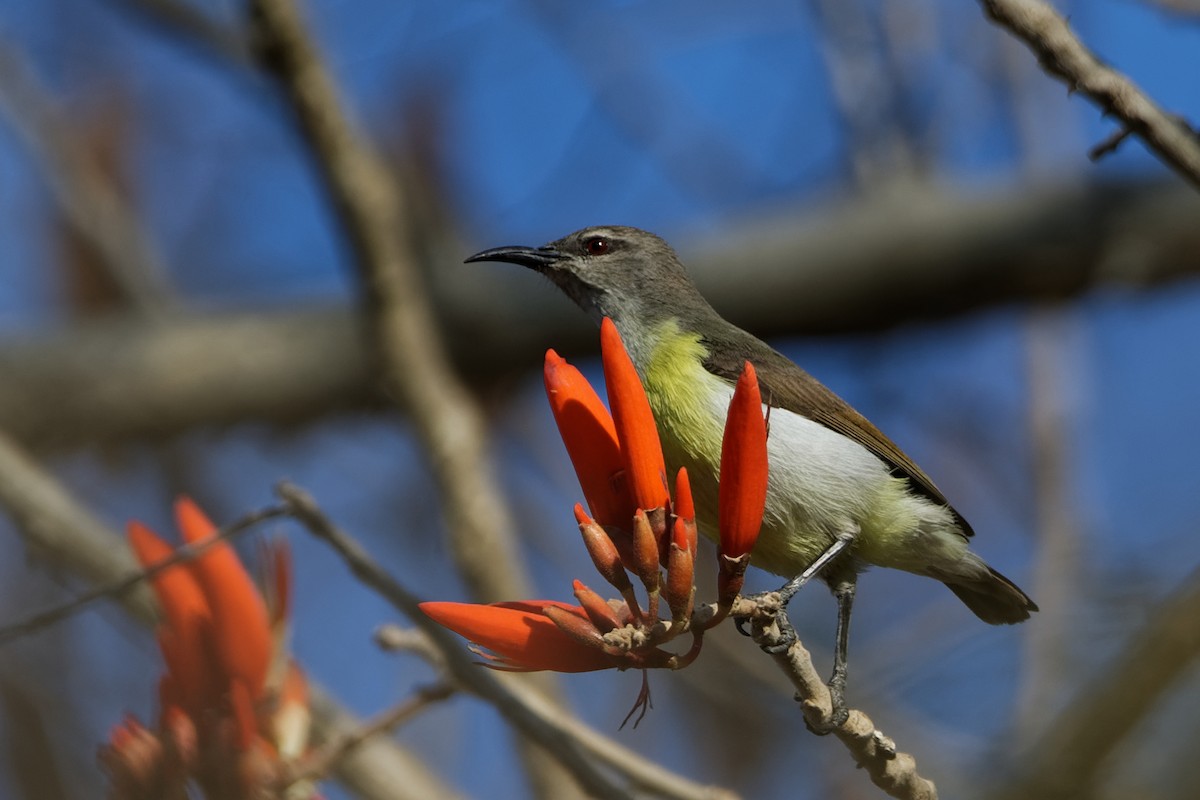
(838,712)
(770,626)
(783,638)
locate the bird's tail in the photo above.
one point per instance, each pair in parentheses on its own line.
(994,598)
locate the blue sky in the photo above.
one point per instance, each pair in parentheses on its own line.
(683,118)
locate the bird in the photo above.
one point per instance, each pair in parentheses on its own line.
(841,496)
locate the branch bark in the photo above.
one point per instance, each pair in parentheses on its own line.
(1065,57)
(891,770)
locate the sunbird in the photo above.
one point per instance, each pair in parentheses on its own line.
(841,495)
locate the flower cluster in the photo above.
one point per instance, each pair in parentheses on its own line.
(635,527)
(233,709)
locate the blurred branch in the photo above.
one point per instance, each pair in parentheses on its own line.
(113,379)
(65,535)
(376,767)
(1051,353)
(404,338)
(401,323)
(116,589)
(1063,56)
(1184,8)
(867,91)
(1064,761)
(221,40)
(322,761)
(526,711)
(882,261)
(86,196)
(889,769)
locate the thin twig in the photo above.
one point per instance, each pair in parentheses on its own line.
(119,588)
(87,197)
(1064,56)
(891,770)
(322,761)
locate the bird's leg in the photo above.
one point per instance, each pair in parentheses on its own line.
(789,589)
(787,634)
(844,592)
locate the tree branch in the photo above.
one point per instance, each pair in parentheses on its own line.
(1062,55)
(1063,762)
(863,266)
(404,337)
(86,196)
(892,771)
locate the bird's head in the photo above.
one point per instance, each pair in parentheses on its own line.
(612,271)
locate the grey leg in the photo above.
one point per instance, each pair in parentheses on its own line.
(844,592)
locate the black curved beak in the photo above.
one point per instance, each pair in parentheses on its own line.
(536,258)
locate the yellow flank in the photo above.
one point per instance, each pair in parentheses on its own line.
(685,399)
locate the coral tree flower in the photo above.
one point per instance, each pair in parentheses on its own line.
(588,431)
(742,494)
(520,637)
(233,708)
(641,450)
(635,529)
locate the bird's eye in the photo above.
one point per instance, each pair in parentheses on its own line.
(596,246)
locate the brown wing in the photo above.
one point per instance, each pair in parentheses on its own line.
(785,385)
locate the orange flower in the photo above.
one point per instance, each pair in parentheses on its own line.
(192,677)
(521,636)
(619,461)
(241,627)
(590,436)
(742,494)
(233,707)
(641,451)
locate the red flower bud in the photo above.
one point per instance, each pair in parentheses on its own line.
(743,487)
(641,450)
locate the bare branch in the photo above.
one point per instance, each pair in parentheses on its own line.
(87,197)
(117,589)
(321,762)
(411,355)
(1062,55)
(889,769)
(376,768)
(864,266)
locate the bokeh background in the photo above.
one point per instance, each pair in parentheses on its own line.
(892,192)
